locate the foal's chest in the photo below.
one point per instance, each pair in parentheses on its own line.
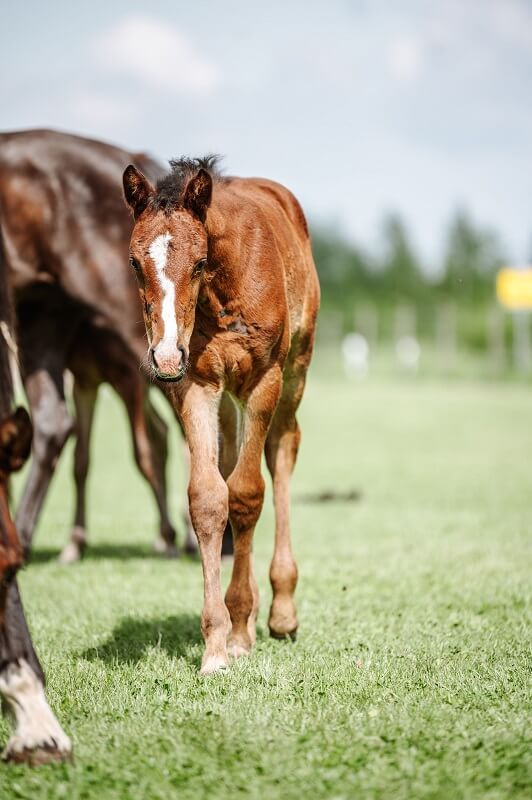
(232,358)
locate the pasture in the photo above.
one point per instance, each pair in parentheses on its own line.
(410,677)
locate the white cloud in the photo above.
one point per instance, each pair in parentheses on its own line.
(155,53)
(101,110)
(404,58)
(512,20)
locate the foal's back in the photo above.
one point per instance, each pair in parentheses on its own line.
(271,228)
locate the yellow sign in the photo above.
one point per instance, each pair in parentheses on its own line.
(514,288)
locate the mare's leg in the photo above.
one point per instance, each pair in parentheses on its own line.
(38,736)
(281,453)
(149,435)
(52,426)
(207,494)
(246,495)
(158,437)
(85,402)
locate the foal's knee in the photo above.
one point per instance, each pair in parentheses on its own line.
(208,503)
(245,501)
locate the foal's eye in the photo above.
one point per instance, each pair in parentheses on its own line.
(134,263)
(200,266)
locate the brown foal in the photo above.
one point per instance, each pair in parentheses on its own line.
(230,297)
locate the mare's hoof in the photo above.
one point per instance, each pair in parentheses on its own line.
(75,547)
(70,554)
(164,548)
(36,756)
(214,664)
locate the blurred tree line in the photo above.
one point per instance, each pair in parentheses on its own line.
(394,275)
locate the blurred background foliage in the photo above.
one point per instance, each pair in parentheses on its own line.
(393,276)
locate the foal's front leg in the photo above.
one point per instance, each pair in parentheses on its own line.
(207,494)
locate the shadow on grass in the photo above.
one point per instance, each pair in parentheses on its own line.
(97,552)
(329,496)
(133,637)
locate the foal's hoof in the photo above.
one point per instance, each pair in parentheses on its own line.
(237,650)
(214,664)
(164,548)
(282,621)
(292,635)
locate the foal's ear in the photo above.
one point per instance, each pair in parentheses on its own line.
(15,440)
(197,197)
(137,190)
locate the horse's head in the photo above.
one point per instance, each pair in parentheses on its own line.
(168,253)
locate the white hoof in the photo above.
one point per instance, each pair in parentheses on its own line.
(70,554)
(213,664)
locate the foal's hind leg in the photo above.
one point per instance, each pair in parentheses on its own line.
(85,402)
(246,494)
(281,453)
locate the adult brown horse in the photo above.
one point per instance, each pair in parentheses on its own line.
(67,235)
(38,737)
(230,297)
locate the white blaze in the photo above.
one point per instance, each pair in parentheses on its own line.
(159,253)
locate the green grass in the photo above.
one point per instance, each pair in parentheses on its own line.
(411,674)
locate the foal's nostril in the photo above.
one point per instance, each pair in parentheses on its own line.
(153,360)
(184,356)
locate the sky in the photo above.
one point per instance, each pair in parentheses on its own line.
(361,107)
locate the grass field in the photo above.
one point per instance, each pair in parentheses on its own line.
(411,674)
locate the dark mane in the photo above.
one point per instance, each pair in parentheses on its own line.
(6,327)
(170,189)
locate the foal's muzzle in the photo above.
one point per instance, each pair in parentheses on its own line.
(168,366)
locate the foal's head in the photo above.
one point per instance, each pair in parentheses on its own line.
(168,253)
